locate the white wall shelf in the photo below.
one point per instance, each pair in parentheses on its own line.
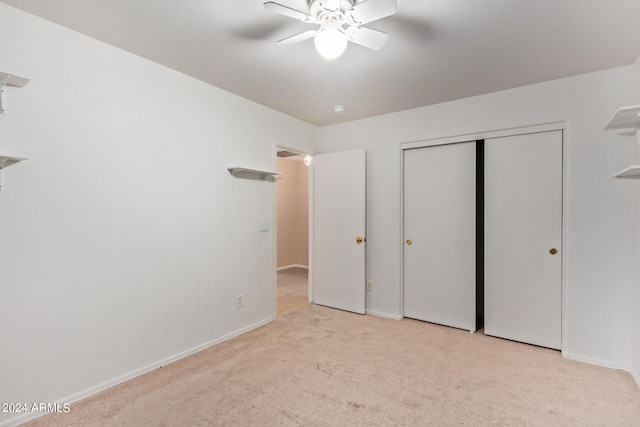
(7,79)
(632,172)
(625,118)
(6,161)
(240,171)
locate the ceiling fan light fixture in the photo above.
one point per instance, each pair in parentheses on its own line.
(330,42)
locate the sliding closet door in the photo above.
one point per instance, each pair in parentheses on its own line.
(439,234)
(523,236)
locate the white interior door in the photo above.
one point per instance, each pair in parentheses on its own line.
(439,234)
(523,236)
(339,222)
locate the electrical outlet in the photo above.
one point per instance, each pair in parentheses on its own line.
(368,285)
(240,300)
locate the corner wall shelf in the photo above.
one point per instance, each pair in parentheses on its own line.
(625,118)
(7,79)
(6,161)
(632,172)
(240,171)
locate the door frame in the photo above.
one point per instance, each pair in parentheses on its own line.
(274,240)
(563,126)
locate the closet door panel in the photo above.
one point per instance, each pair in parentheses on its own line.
(523,237)
(439,234)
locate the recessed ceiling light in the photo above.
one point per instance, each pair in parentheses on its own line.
(338,109)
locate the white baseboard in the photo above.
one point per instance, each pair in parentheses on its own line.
(385,315)
(126,377)
(292,266)
(636,376)
(596,362)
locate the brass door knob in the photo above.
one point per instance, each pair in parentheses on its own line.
(359,240)
(409,242)
(553,251)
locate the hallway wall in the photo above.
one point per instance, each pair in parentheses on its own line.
(293,213)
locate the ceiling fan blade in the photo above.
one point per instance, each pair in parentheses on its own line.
(373,39)
(371,10)
(298,37)
(257,32)
(287,11)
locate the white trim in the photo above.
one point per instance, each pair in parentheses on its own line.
(274,238)
(401,190)
(286,267)
(136,373)
(484,135)
(21,419)
(385,315)
(636,377)
(310,251)
(596,362)
(564,285)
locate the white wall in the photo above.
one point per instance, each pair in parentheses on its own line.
(600,244)
(123,242)
(636,300)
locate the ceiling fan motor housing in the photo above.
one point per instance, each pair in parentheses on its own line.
(316,7)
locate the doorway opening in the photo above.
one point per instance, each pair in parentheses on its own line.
(292,237)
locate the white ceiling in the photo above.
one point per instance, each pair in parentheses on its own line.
(438,50)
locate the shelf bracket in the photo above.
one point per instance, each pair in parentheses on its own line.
(7,79)
(3,82)
(6,161)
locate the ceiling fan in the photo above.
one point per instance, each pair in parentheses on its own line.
(340,22)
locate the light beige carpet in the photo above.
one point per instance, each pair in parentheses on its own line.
(293,290)
(324,367)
